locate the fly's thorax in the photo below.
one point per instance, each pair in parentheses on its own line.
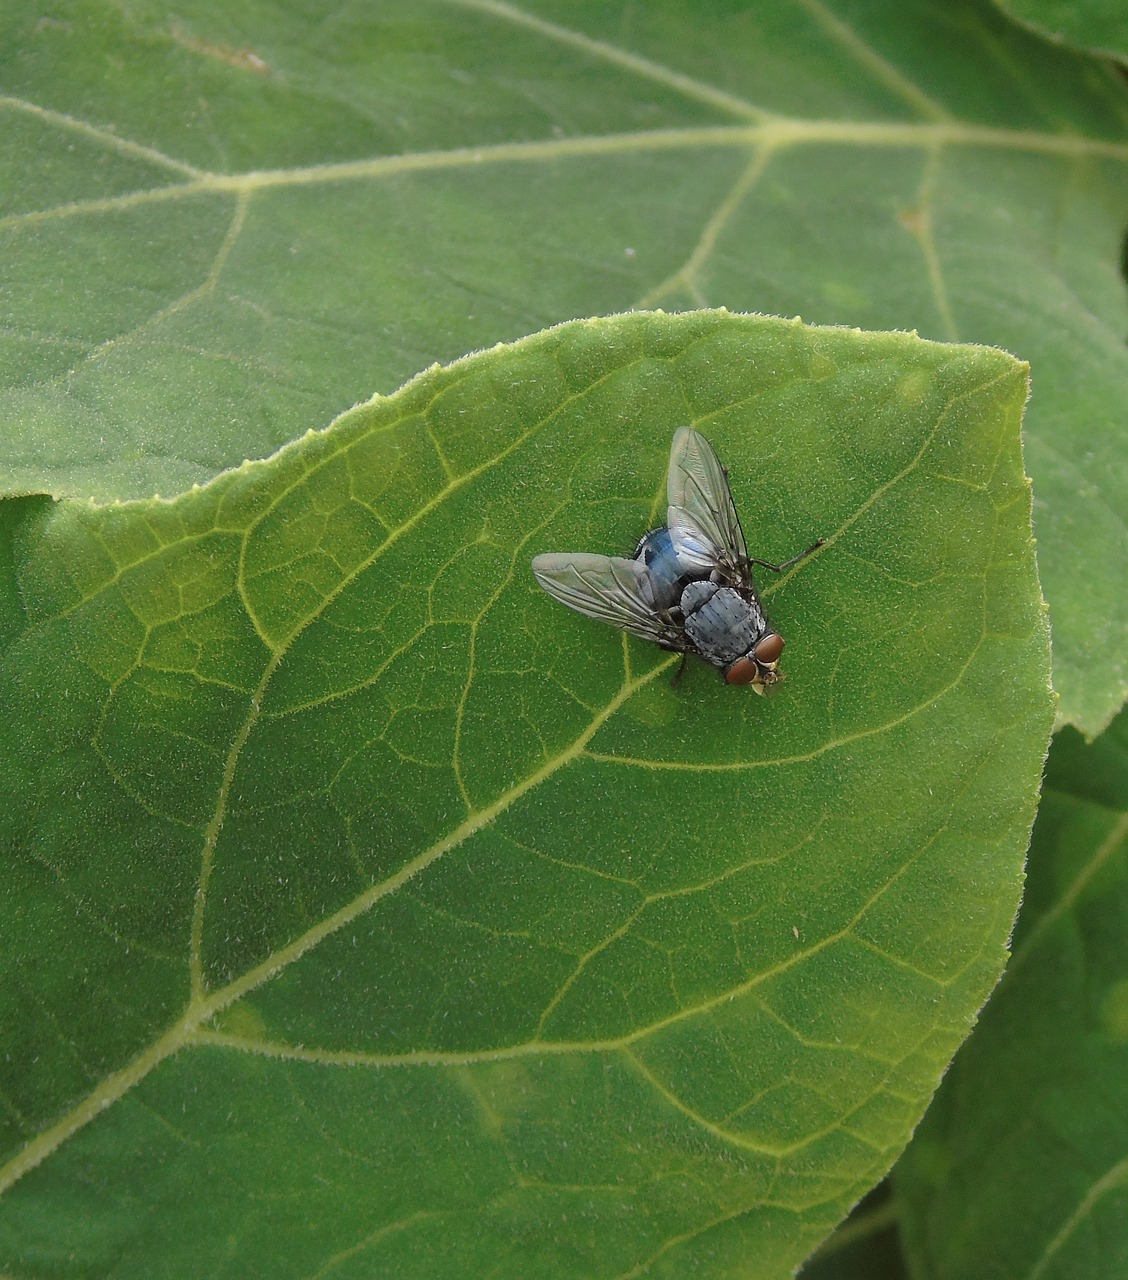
(723,623)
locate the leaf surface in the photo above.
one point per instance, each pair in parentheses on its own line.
(368,911)
(1021,1166)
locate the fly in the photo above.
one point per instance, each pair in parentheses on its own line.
(689,586)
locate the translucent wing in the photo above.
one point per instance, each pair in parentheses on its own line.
(609,588)
(702,518)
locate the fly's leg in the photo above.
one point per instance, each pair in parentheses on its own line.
(681,668)
(779,568)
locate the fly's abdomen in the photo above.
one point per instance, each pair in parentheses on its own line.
(667,573)
(722,624)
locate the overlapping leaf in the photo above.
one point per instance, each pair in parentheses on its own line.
(367,911)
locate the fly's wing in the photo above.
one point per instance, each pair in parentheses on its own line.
(609,588)
(704,526)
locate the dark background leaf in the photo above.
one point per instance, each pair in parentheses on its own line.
(1098,26)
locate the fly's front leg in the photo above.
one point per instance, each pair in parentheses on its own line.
(779,568)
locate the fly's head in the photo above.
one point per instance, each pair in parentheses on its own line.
(759,666)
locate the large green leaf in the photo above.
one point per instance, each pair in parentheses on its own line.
(368,912)
(227,223)
(1021,1167)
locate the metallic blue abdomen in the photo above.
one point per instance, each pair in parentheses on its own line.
(668,574)
(723,624)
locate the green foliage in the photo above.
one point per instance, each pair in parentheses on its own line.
(548,968)
(378,859)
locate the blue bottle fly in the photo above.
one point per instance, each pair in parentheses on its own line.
(689,587)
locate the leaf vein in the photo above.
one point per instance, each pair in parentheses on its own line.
(882,70)
(123,146)
(689,87)
(1112,1180)
(776,133)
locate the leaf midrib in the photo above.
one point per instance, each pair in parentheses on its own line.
(189,1030)
(776,135)
(202,1008)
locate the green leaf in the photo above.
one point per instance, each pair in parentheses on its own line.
(1098,26)
(1021,1166)
(225,225)
(368,912)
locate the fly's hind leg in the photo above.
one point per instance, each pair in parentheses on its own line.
(681,668)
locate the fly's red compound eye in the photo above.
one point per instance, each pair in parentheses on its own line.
(768,649)
(742,671)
